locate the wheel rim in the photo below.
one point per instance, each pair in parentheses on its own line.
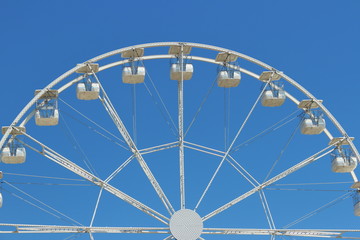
(67,80)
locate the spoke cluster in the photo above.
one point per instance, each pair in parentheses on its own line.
(178,51)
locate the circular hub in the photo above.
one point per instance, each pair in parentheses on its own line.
(186,224)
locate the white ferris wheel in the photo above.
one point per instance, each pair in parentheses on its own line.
(227,147)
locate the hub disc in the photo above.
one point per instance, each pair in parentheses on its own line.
(186,224)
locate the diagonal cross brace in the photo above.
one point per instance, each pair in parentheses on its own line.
(125,134)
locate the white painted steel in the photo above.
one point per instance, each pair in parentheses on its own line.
(269,75)
(186,71)
(133,53)
(14,131)
(343,164)
(121,167)
(186,224)
(182,48)
(272,99)
(356,198)
(181,129)
(13,156)
(49,94)
(341,140)
(309,104)
(267,211)
(228,78)
(158,148)
(87,68)
(226,57)
(194,45)
(312,126)
(51,119)
(123,131)
(66,163)
(133,74)
(27,228)
(231,146)
(283,174)
(60,160)
(90,92)
(48,119)
(357,209)
(315,233)
(1,200)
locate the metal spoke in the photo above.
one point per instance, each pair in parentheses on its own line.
(181,130)
(91,236)
(243,172)
(238,168)
(96,124)
(267,209)
(121,167)
(200,107)
(229,159)
(45,207)
(169,237)
(316,211)
(246,175)
(123,131)
(96,207)
(231,146)
(268,130)
(130,143)
(159,148)
(134,114)
(282,151)
(283,174)
(24,228)
(254,182)
(319,233)
(204,151)
(66,163)
(165,115)
(206,148)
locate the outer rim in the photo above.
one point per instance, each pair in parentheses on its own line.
(196,45)
(26,109)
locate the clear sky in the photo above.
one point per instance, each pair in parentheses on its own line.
(314,42)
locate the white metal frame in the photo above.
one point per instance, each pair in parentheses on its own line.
(27,113)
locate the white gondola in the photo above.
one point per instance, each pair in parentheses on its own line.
(356,198)
(87,68)
(47,116)
(343,160)
(176,71)
(13,155)
(87,91)
(133,74)
(1,200)
(228,78)
(47,113)
(343,164)
(273,98)
(313,125)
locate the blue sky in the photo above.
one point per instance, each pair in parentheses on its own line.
(314,42)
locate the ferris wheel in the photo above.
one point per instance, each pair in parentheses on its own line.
(176,140)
